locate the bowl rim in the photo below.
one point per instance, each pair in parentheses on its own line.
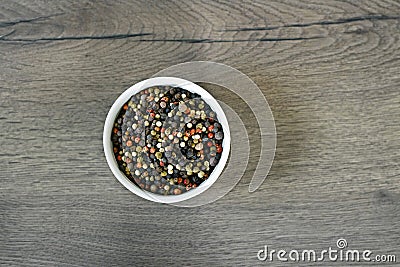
(175,82)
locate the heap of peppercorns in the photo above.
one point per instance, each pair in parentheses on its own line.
(167,140)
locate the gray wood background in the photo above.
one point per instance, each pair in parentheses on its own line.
(329,69)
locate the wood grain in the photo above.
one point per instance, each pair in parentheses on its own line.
(329,69)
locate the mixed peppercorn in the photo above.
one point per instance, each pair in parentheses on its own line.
(167,140)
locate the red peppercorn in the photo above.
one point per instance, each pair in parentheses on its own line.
(115,130)
(219,149)
(129,143)
(177,191)
(119,158)
(210,135)
(209,144)
(125,107)
(152,150)
(192,132)
(179,180)
(210,128)
(161,163)
(186,181)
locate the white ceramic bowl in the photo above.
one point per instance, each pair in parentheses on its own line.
(163,81)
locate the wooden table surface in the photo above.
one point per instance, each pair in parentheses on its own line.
(330,71)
